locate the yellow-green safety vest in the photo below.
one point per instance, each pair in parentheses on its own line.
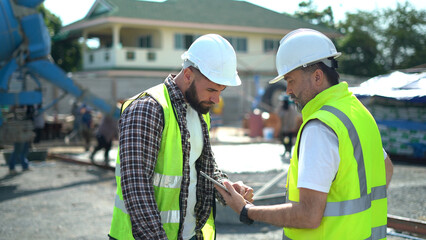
(356,203)
(167,176)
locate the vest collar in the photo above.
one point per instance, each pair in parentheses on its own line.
(332,93)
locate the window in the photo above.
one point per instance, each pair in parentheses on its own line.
(145,41)
(184,41)
(239,44)
(151,56)
(130,55)
(270,45)
(91,58)
(106,56)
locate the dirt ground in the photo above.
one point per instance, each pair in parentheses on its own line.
(59,200)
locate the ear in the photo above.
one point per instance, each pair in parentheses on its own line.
(318,76)
(188,75)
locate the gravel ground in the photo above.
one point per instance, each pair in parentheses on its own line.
(58,200)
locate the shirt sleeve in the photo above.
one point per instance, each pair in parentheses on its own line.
(385,154)
(318,157)
(141,126)
(220,177)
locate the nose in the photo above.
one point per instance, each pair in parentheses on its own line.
(215,98)
(288,90)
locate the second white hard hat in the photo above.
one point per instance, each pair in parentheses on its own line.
(215,57)
(303,47)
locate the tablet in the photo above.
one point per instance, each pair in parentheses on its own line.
(214,181)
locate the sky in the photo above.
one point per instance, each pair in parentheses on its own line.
(73,10)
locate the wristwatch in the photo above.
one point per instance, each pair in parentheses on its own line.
(244,214)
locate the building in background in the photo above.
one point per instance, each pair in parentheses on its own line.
(140,43)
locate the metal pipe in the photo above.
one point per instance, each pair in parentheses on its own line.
(407,224)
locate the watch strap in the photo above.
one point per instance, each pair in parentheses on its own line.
(244,215)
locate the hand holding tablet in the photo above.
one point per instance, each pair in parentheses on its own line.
(214,181)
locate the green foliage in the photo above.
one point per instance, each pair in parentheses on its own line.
(307,11)
(66,53)
(53,23)
(375,42)
(361,55)
(405,36)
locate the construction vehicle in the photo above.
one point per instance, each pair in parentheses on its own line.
(25,57)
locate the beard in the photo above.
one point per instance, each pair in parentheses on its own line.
(299,105)
(302,101)
(192,98)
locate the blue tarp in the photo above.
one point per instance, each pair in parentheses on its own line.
(402,126)
(409,125)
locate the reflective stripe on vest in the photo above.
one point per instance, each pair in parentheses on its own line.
(120,204)
(159,181)
(355,143)
(172,216)
(364,202)
(376,233)
(334,209)
(166,216)
(165,181)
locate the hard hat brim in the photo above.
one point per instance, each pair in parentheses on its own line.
(278,78)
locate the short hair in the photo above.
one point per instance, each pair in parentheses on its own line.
(196,70)
(330,72)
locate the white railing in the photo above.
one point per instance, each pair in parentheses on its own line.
(143,58)
(130,58)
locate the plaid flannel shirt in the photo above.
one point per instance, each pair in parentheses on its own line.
(141,126)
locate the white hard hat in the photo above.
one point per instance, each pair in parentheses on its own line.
(303,47)
(215,57)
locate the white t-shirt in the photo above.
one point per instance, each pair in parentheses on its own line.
(318,157)
(196,140)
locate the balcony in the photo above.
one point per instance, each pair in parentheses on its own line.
(131,57)
(155,58)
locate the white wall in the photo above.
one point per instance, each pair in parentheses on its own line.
(167,57)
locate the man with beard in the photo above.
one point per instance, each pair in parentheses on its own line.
(164,144)
(338,174)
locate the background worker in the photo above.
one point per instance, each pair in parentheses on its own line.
(22,145)
(105,134)
(291,120)
(216,118)
(39,123)
(86,125)
(336,183)
(164,144)
(75,133)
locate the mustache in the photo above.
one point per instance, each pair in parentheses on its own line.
(207,102)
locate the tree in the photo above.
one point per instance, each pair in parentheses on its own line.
(66,53)
(361,55)
(380,41)
(374,42)
(307,11)
(404,36)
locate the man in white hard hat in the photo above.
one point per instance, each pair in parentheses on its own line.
(337,179)
(164,144)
